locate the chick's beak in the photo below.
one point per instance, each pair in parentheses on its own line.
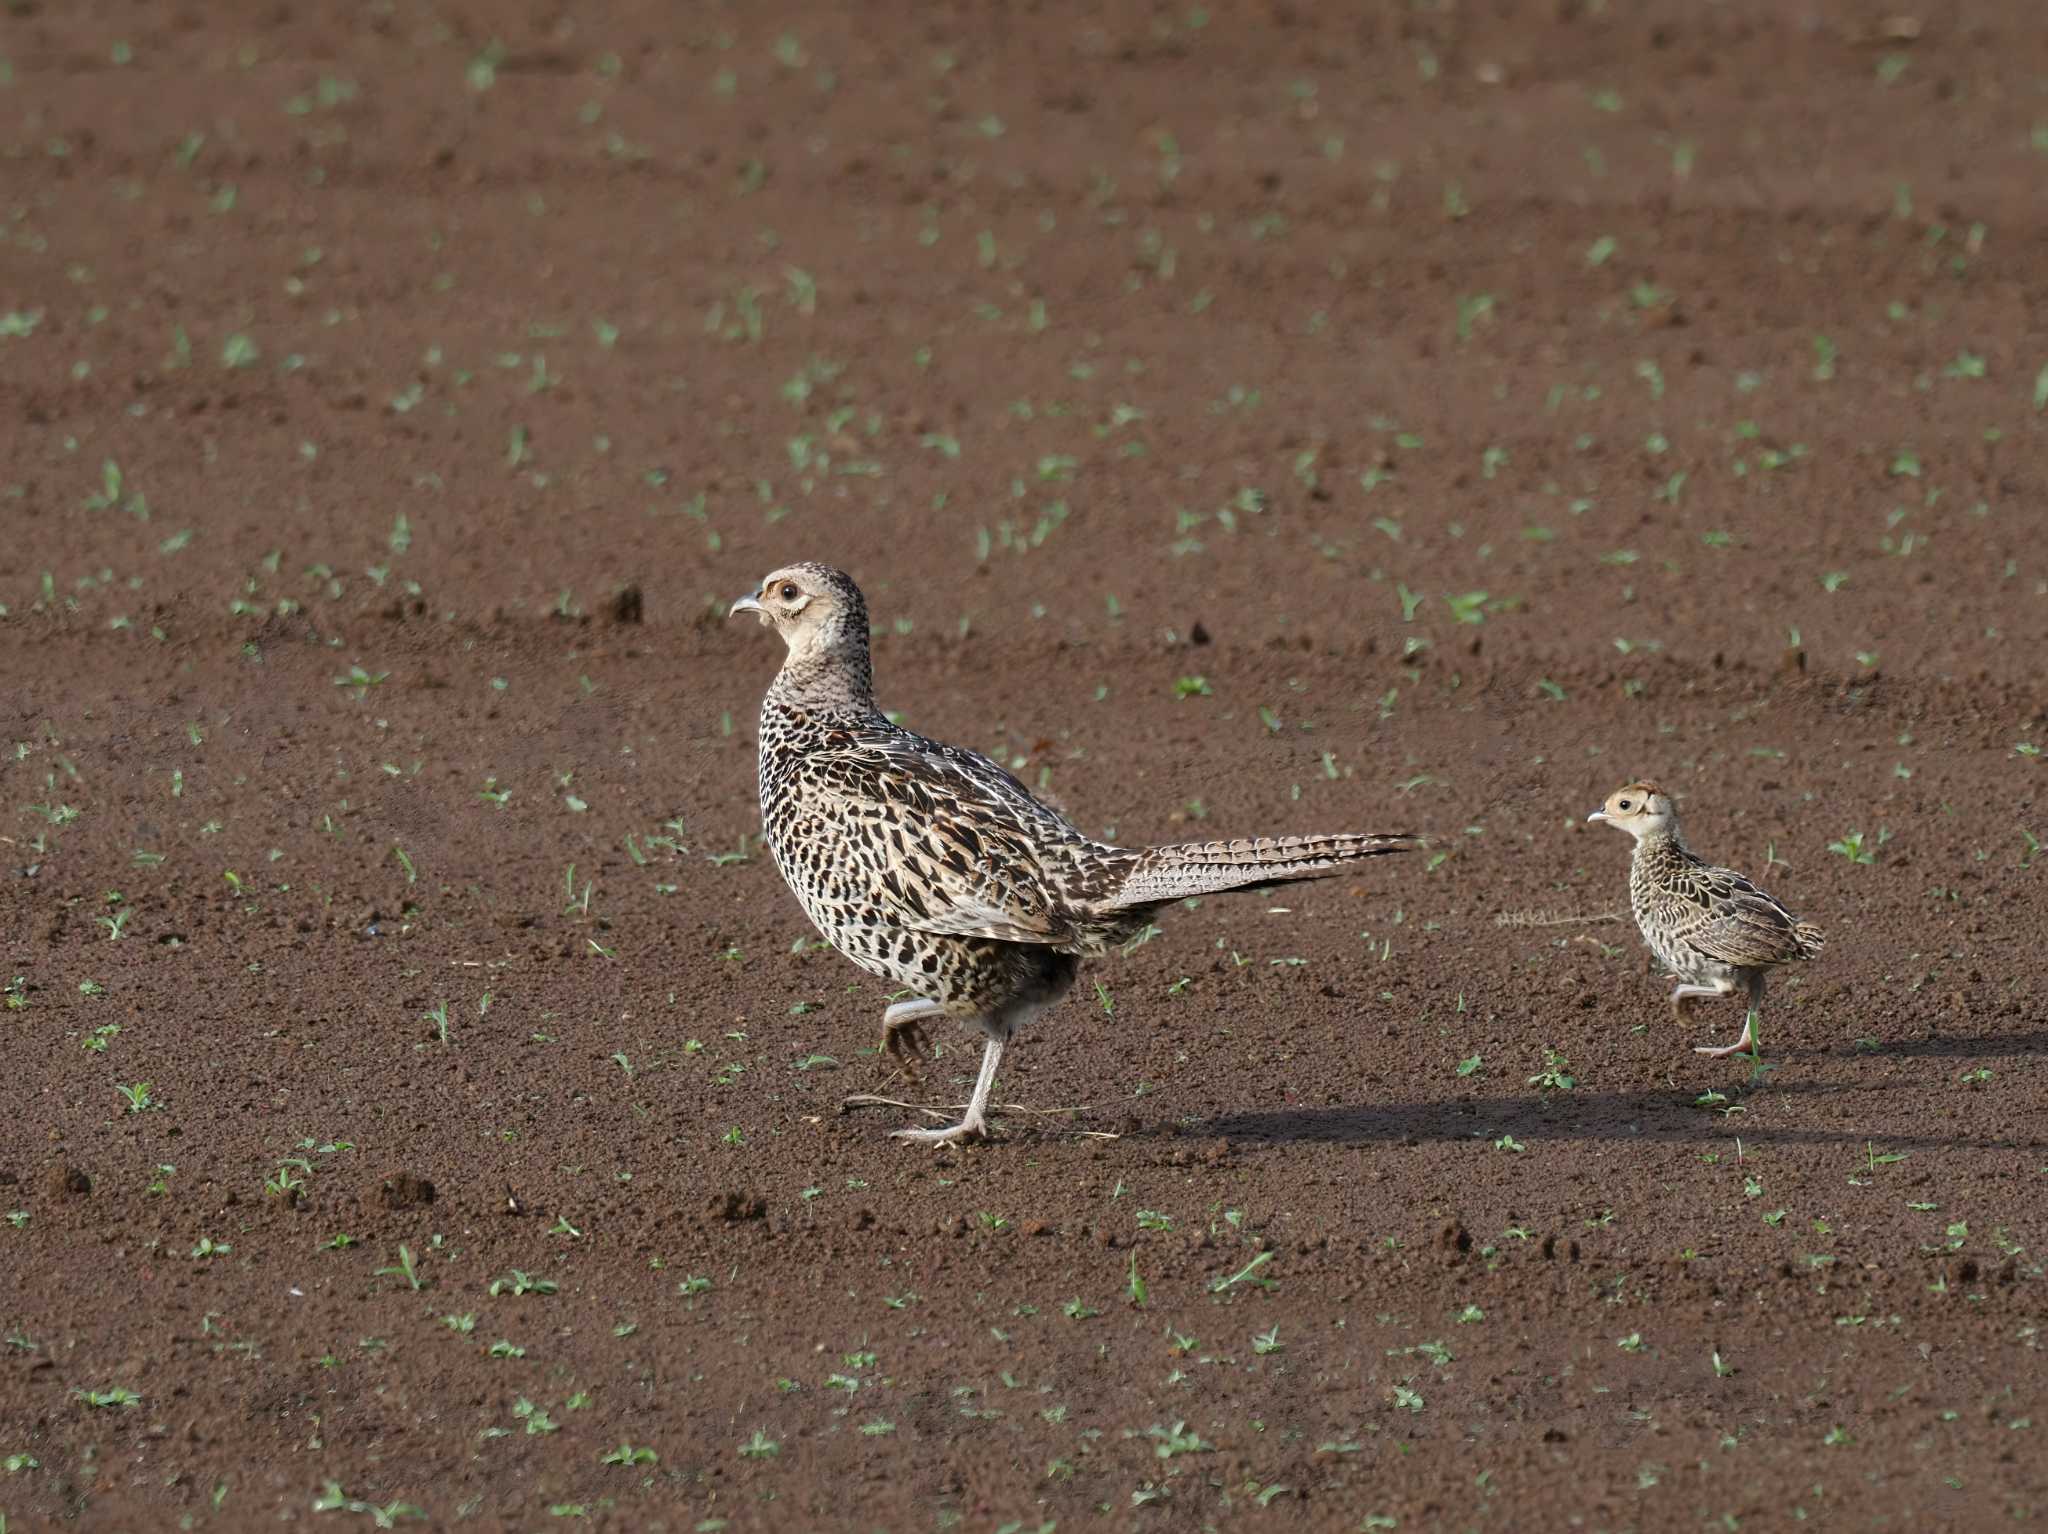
(1597,815)
(746,604)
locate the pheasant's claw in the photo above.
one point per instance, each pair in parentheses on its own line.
(970,1129)
(906,1042)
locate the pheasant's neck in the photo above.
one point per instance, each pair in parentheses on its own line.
(831,676)
(1664,846)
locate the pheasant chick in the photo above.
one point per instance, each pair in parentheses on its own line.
(1717,932)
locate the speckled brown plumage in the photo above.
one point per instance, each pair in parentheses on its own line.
(932,867)
(1713,929)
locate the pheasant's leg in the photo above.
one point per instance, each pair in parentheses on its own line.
(1686,993)
(903,1034)
(1753,983)
(1748,1042)
(975,1125)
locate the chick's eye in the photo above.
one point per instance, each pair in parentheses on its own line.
(788,592)
(1626,805)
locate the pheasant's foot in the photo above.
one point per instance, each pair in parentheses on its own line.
(974,1125)
(906,1042)
(971,1128)
(1749,1044)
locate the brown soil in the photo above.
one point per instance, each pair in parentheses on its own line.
(383,414)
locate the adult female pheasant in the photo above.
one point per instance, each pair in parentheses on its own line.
(932,867)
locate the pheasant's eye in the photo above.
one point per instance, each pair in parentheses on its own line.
(788,592)
(1626,805)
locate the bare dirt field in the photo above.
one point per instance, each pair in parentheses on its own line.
(423,1099)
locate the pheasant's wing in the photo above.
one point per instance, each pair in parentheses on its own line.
(960,846)
(1737,923)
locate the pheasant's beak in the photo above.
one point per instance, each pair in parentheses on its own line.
(747,604)
(1597,815)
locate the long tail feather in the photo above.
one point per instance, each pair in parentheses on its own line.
(1254,862)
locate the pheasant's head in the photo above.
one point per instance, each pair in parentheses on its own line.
(821,616)
(1641,809)
(811,606)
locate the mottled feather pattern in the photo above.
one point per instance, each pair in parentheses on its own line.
(1708,923)
(941,842)
(1204,868)
(918,859)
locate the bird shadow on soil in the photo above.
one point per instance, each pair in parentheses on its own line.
(1964,1046)
(1659,1116)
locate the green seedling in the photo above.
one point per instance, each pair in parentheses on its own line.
(138,1097)
(1556,1074)
(406,1268)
